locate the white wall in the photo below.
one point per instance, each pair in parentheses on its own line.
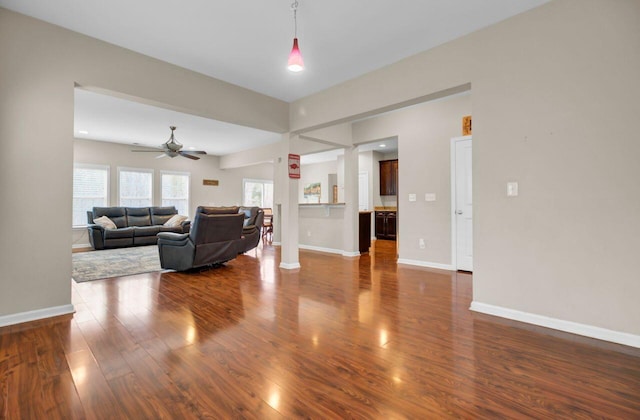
(317,172)
(555,94)
(321,227)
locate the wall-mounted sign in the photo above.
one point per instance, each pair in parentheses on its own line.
(466,125)
(294,166)
(213,182)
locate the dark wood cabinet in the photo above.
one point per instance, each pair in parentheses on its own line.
(386,225)
(365,231)
(389,177)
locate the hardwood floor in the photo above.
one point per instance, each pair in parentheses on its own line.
(339,338)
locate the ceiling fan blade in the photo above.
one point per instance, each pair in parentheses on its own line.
(187,155)
(196,152)
(161,156)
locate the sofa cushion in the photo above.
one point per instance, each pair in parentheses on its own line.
(175,229)
(116,214)
(175,221)
(138,216)
(146,230)
(118,233)
(218,210)
(160,215)
(105,222)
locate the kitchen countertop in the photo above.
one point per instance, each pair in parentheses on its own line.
(385,208)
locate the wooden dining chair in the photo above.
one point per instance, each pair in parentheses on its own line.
(267,225)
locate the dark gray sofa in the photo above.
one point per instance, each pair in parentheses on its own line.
(214,239)
(218,234)
(135,226)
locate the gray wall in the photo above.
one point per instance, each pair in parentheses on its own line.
(40,66)
(424,142)
(555,94)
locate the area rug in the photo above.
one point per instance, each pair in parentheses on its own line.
(94,265)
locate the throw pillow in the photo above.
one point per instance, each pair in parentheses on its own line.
(105,222)
(175,221)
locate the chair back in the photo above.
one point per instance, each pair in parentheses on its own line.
(268,217)
(211,228)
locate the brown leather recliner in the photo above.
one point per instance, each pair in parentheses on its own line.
(214,239)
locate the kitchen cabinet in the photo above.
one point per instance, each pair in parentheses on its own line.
(364,223)
(389,177)
(386,225)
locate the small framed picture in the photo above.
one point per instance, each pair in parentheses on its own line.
(466,125)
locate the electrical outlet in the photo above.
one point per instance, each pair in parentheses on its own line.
(512,189)
(421,243)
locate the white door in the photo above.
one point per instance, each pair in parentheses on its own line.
(363,191)
(463,205)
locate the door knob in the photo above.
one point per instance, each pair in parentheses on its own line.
(458,211)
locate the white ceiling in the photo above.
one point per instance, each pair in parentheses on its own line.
(247,43)
(106,118)
(389,145)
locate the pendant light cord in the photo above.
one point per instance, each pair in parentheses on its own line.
(294,7)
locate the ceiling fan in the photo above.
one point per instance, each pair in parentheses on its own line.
(173,148)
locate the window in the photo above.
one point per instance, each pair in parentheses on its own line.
(90,189)
(258,192)
(135,187)
(175,191)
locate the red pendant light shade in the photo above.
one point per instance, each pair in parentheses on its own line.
(295,62)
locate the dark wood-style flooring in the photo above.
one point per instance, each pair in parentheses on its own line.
(339,338)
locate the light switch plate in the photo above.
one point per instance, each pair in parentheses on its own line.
(412,197)
(430,197)
(512,189)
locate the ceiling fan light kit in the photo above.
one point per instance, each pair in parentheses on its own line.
(173,148)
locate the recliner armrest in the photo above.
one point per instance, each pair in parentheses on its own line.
(186,226)
(94,226)
(170,236)
(249,229)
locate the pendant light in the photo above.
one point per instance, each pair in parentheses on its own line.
(295,63)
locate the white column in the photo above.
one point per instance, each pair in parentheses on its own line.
(350,246)
(288,207)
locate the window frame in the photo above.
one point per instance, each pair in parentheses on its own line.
(256,181)
(182,173)
(80,165)
(130,169)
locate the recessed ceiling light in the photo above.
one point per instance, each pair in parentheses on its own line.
(383,145)
(83,132)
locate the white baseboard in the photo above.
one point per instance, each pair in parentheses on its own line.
(559,324)
(28,316)
(289,266)
(427,264)
(329,250)
(76,246)
(350,253)
(276,243)
(321,249)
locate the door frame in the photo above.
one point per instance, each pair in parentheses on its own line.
(454,224)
